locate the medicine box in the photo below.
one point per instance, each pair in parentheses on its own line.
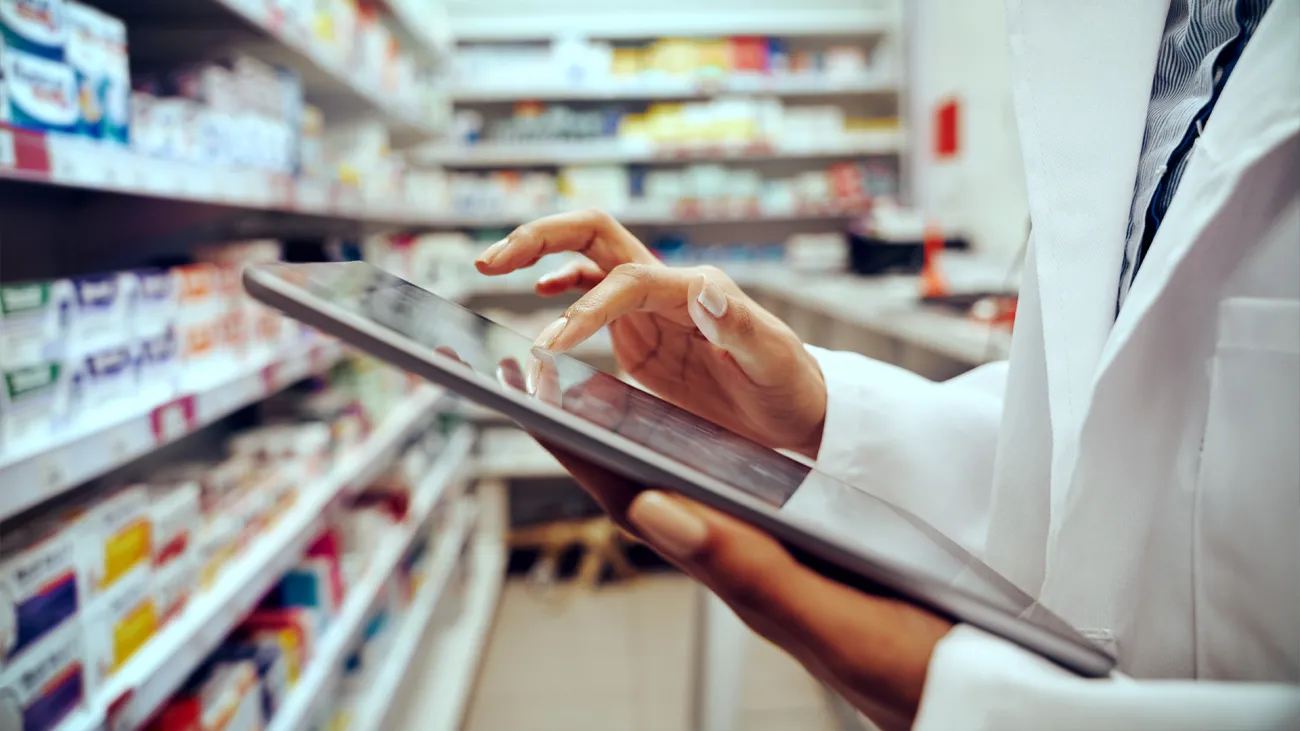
(118,623)
(47,683)
(38,590)
(103,303)
(41,94)
(102,377)
(36,27)
(33,403)
(115,537)
(35,321)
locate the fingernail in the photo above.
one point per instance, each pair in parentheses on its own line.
(493,250)
(532,376)
(712,298)
(548,278)
(668,525)
(548,336)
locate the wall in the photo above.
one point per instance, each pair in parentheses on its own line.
(958,48)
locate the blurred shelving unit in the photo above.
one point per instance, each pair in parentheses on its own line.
(73,205)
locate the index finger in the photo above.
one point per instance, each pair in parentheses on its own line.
(592,233)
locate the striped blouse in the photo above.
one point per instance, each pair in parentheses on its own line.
(1202,41)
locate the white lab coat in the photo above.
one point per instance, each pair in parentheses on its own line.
(1139,475)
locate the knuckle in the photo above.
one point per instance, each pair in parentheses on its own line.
(633,272)
(743,323)
(598,217)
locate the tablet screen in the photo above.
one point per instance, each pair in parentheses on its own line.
(855,516)
(558,380)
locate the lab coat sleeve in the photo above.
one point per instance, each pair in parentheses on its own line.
(926,447)
(977,681)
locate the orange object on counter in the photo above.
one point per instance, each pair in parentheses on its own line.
(933,283)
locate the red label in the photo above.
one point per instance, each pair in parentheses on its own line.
(947,117)
(272,377)
(174,419)
(31,155)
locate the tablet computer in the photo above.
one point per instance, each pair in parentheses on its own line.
(872,545)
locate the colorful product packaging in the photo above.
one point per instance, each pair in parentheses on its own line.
(47,683)
(115,537)
(41,94)
(33,402)
(38,590)
(36,27)
(118,624)
(103,303)
(35,321)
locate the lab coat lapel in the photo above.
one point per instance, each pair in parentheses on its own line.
(1082,74)
(1257,110)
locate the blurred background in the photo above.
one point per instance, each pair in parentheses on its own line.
(214,518)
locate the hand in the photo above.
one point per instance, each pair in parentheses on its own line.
(690,335)
(874,652)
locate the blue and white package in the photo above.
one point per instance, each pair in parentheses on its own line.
(47,683)
(38,593)
(104,377)
(103,303)
(42,94)
(153,302)
(35,27)
(85,55)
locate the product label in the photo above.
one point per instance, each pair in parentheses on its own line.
(27,383)
(155,286)
(133,631)
(38,22)
(125,550)
(22,298)
(97,293)
(40,585)
(109,362)
(42,93)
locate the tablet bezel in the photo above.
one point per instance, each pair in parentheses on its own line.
(852,566)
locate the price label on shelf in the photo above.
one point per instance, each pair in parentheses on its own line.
(7,157)
(174,419)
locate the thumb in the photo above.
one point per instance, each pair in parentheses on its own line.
(731,323)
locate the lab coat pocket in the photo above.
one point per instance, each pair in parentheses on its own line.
(1247,540)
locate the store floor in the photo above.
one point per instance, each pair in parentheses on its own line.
(619,659)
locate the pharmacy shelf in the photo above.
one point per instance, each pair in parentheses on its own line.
(110,438)
(378,702)
(416,24)
(639,214)
(650,88)
(141,688)
(484,22)
(334,76)
(340,639)
(75,162)
(502,154)
(443,699)
(508,453)
(166,30)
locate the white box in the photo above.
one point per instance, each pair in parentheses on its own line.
(152,309)
(117,625)
(35,321)
(102,378)
(47,684)
(115,539)
(33,403)
(103,304)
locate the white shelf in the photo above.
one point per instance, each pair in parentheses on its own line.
(340,639)
(441,703)
(378,702)
(657,215)
(613,88)
(110,438)
(145,683)
(501,154)
(481,22)
(70,161)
